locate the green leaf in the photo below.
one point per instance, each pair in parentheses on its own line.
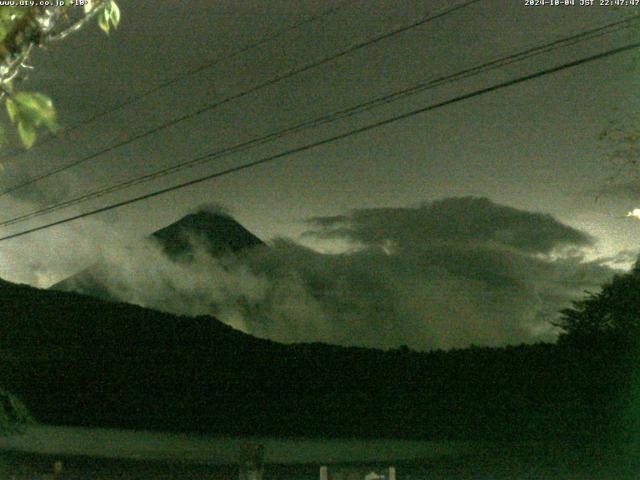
(27,134)
(30,110)
(37,109)
(12,110)
(35,101)
(114,14)
(103,21)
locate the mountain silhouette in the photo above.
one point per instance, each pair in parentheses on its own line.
(216,233)
(79,361)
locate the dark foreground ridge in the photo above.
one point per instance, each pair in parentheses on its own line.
(75,360)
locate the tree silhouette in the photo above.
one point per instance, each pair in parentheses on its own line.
(614,312)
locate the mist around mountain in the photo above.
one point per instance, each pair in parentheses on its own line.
(211,230)
(443,274)
(217,232)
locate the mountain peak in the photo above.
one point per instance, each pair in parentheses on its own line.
(218,232)
(215,231)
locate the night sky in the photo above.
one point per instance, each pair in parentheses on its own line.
(502,201)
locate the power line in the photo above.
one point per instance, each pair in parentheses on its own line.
(341,114)
(172,81)
(334,138)
(244,93)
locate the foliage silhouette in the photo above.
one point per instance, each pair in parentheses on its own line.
(612,315)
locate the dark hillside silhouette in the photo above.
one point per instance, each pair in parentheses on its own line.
(76,360)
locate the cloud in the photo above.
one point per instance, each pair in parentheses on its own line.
(212,208)
(142,274)
(634,213)
(628,190)
(622,260)
(435,297)
(45,257)
(446,274)
(41,193)
(462,220)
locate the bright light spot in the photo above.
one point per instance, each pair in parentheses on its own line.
(634,213)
